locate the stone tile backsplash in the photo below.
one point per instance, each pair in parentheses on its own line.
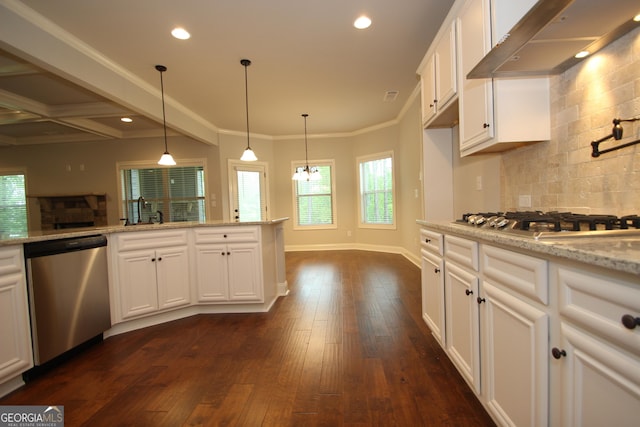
(560,174)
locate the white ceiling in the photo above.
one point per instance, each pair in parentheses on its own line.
(306,58)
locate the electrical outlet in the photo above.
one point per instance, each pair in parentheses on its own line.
(524,201)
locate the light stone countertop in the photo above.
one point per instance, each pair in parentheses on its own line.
(616,253)
(40,235)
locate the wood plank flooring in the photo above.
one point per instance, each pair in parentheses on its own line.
(347,347)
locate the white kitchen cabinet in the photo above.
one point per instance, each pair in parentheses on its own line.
(229,264)
(514,343)
(15,333)
(500,114)
(433,283)
(462,287)
(439,78)
(152,272)
(598,354)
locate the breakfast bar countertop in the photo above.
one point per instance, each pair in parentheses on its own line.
(42,235)
(616,253)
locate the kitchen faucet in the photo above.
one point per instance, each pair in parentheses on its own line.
(141,205)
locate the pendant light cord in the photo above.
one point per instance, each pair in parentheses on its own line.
(162,69)
(306,152)
(246,63)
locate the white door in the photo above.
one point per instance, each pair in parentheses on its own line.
(248,191)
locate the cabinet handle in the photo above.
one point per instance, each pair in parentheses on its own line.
(160,259)
(436,270)
(485,125)
(630,322)
(427,240)
(223,253)
(228,253)
(480,300)
(468,292)
(153,260)
(557,353)
(225,236)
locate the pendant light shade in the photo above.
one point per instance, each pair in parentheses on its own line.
(248,155)
(306,173)
(166,159)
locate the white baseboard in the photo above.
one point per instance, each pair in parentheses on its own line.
(358,247)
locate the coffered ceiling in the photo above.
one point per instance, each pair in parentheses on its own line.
(70,70)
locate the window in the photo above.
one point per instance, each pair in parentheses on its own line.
(178,192)
(314,201)
(376,201)
(13,204)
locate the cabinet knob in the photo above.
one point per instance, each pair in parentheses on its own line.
(630,322)
(224,235)
(468,292)
(223,253)
(486,125)
(160,259)
(436,270)
(557,353)
(228,253)
(153,260)
(427,240)
(480,300)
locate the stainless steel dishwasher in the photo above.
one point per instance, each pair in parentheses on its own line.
(68,293)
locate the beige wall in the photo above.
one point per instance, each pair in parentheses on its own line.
(46,166)
(561,174)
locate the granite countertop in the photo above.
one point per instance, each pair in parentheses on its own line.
(42,235)
(616,253)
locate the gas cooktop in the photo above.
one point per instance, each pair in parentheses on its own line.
(542,225)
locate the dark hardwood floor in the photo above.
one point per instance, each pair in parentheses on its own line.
(347,347)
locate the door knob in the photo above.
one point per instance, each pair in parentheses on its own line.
(630,322)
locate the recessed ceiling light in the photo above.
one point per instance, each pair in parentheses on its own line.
(582,54)
(126,119)
(362,22)
(180,33)
(637,18)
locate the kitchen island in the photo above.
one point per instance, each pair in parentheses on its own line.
(157,273)
(545,332)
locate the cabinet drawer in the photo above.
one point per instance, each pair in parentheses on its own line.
(462,251)
(432,241)
(130,241)
(11,260)
(522,273)
(227,234)
(598,303)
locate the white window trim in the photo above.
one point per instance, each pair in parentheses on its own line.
(368,158)
(144,164)
(334,212)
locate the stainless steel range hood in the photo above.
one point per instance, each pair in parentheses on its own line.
(546,39)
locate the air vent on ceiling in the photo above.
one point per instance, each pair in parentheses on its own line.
(390,95)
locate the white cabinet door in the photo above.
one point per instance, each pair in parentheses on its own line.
(462,323)
(446,68)
(212,273)
(137,283)
(15,334)
(601,384)
(433,294)
(476,95)
(515,358)
(428,86)
(244,266)
(172,272)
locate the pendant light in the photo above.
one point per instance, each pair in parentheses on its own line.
(306,173)
(248,155)
(166,159)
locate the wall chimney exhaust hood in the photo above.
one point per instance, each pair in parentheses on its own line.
(546,39)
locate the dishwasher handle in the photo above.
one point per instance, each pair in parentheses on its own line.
(59,246)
